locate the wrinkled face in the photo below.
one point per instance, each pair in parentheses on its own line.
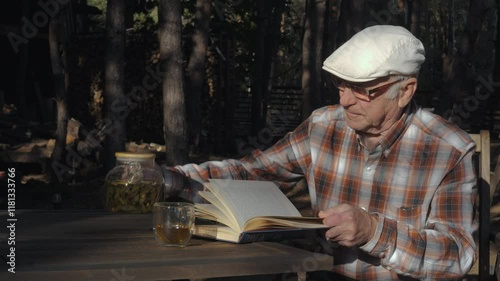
(374,113)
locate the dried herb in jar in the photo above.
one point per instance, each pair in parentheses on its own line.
(131,198)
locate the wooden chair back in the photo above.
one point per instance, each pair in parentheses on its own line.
(485,192)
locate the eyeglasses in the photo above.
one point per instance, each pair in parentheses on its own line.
(361,93)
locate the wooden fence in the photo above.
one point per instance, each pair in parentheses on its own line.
(283,112)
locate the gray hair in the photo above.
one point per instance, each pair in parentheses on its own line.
(393,90)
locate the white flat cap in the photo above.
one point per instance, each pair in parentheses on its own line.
(375,52)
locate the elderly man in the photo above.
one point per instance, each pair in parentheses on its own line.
(394,182)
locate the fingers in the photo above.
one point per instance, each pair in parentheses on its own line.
(342,231)
(333,210)
(335,215)
(342,237)
(350,225)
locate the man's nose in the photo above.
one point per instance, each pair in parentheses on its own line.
(347,98)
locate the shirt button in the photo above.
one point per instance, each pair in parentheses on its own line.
(369,168)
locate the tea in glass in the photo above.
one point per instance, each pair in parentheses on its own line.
(173,223)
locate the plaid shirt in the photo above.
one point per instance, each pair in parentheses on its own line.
(420,181)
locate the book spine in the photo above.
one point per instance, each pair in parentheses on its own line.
(273,236)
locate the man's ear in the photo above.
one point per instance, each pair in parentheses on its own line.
(408,88)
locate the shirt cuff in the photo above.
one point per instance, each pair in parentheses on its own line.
(370,245)
(172,180)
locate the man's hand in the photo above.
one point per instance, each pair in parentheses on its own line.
(351,226)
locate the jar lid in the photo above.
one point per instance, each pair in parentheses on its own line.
(134,155)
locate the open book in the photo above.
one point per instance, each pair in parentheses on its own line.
(242,211)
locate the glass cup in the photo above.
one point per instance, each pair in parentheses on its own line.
(173,223)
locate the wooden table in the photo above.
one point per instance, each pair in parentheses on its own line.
(96,245)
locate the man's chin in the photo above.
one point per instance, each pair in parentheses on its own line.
(355,126)
(354,122)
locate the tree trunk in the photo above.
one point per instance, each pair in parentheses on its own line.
(415,17)
(482,95)
(174,116)
(226,97)
(58,53)
(230,96)
(268,23)
(273,39)
(495,126)
(22,67)
(196,71)
(353,17)
(312,59)
(329,92)
(465,83)
(116,109)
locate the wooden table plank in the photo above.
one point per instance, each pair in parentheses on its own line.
(102,246)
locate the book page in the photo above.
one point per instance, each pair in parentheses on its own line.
(284,222)
(218,232)
(210,212)
(228,216)
(210,197)
(247,199)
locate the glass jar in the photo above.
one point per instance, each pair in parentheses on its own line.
(134,184)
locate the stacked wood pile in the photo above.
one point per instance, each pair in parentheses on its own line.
(29,147)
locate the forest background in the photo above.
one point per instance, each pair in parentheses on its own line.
(200,78)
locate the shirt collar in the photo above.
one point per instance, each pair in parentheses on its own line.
(387,143)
